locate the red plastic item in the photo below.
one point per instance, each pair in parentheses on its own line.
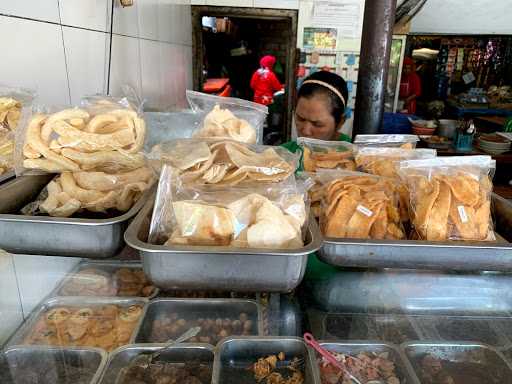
(215,85)
(311,341)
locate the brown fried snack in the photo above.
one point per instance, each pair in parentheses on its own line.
(363,207)
(328,159)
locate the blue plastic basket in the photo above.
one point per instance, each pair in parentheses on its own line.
(396,123)
(463,142)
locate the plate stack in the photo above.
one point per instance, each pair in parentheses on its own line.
(494,144)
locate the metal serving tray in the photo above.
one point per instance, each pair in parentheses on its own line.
(394,329)
(483,330)
(107,266)
(193,309)
(235,354)
(80,302)
(402,367)
(42,235)
(220,268)
(408,254)
(11,373)
(7,176)
(467,357)
(183,353)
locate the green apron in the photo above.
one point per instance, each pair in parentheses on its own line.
(316,270)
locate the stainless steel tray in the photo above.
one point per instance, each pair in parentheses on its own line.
(408,254)
(80,302)
(483,330)
(183,353)
(459,358)
(7,176)
(402,367)
(41,235)
(220,268)
(92,358)
(395,329)
(107,266)
(234,355)
(193,309)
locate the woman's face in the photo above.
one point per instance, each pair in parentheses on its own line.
(313,118)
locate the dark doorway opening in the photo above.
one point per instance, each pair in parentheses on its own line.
(229,43)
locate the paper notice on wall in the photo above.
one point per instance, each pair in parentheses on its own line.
(346,15)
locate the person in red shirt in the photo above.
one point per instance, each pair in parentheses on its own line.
(410,86)
(264,81)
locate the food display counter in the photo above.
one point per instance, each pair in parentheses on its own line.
(212,274)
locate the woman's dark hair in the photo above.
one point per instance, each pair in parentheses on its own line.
(311,89)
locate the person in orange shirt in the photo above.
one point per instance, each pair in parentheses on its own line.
(410,86)
(264,81)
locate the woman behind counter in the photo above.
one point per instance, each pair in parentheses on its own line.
(320,114)
(320,110)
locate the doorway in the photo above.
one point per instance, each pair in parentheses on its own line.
(228,43)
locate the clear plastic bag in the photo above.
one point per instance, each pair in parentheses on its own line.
(228,118)
(358,205)
(384,161)
(225,162)
(71,193)
(98,137)
(271,216)
(320,154)
(97,104)
(451,197)
(400,141)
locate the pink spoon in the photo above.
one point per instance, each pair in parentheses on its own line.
(311,341)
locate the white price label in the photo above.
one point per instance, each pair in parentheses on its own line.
(462,214)
(365,211)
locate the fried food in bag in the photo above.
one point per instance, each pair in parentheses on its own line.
(223,124)
(383,161)
(320,154)
(271,216)
(104,137)
(358,205)
(225,162)
(451,197)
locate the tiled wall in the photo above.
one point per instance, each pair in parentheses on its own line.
(61,49)
(277,4)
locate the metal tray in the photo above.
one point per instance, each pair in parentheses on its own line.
(461,354)
(107,266)
(393,329)
(408,254)
(462,328)
(94,358)
(183,353)
(7,176)
(220,268)
(193,309)
(402,367)
(234,355)
(42,235)
(23,331)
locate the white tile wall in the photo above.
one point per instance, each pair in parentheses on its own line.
(126,20)
(35,58)
(11,315)
(151,69)
(38,276)
(231,3)
(126,65)
(91,14)
(87,61)
(47,10)
(276,4)
(279,4)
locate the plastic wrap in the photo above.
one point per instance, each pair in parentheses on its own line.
(268,216)
(228,118)
(73,192)
(225,162)
(358,205)
(320,154)
(401,141)
(450,197)
(99,137)
(385,161)
(15,108)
